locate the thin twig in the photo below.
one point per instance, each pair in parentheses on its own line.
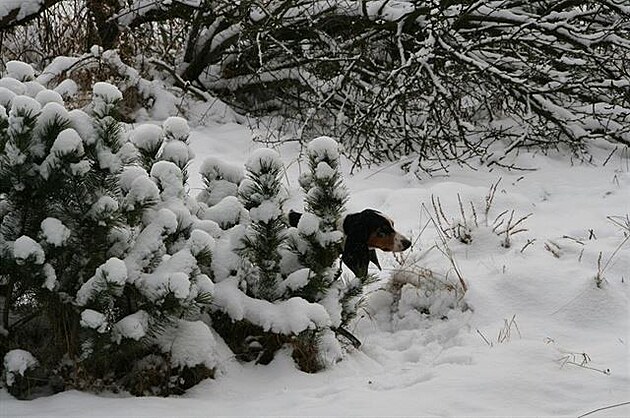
(484,338)
(603,408)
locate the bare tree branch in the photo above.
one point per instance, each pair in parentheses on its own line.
(17,17)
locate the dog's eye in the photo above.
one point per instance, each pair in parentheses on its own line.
(381,233)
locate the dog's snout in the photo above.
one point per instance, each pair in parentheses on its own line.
(401,243)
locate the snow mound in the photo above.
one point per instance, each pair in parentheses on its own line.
(48,96)
(17,362)
(140,189)
(55,232)
(52,112)
(323,148)
(112,273)
(20,70)
(146,137)
(214,168)
(106,92)
(227,213)
(26,105)
(93,319)
(189,343)
(263,159)
(134,326)
(177,152)
(176,128)
(26,248)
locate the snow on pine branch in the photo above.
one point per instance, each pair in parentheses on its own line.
(16,363)
(286,317)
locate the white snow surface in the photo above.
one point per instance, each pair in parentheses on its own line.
(539,338)
(24,103)
(50,111)
(308,224)
(139,187)
(265,212)
(68,142)
(298,279)
(169,177)
(50,277)
(67,88)
(263,158)
(214,168)
(177,152)
(226,213)
(6,96)
(14,86)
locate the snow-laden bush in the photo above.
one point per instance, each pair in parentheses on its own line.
(20,372)
(278,285)
(99,248)
(105,253)
(262,195)
(317,241)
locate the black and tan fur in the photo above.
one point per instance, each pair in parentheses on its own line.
(365,232)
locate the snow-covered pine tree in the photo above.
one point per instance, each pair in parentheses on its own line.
(219,199)
(58,197)
(325,197)
(164,273)
(251,309)
(262,195)
(117,297)
(318,245)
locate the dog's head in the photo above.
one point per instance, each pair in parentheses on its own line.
(366,231)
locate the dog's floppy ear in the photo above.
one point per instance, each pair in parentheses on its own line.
(356,254)
(354,227)
(357,259)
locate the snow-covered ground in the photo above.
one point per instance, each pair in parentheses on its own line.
(533,335)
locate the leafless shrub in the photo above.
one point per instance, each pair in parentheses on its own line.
(624,224)
(505,225)
(509,326)
(505,333)
(429,82)
(460,229)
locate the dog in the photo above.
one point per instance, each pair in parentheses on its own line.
(365,232)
